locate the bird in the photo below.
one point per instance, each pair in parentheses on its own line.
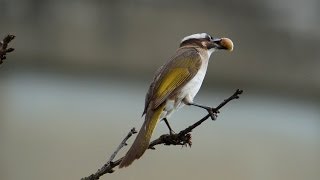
(174,85)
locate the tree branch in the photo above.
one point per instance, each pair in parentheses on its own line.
(182,138)
(3,47)
(108,167)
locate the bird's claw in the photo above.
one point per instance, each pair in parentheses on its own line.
(213,112)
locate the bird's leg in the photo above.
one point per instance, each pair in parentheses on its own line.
(168,125)
(212,111)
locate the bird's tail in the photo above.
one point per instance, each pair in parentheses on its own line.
(141,143)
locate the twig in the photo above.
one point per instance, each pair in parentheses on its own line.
(108,167)
(3,47)
(182,138)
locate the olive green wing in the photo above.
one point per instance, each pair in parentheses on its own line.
(173,75)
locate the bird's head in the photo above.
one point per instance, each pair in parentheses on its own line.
(207,42)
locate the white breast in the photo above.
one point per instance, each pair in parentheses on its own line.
(190,90)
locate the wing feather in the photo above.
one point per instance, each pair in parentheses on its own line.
(172,76)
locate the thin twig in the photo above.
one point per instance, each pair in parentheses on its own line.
(182,138)
(235,95)
(108,167)
(3,47)
(122,144)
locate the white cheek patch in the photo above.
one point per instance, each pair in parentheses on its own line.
(195,36)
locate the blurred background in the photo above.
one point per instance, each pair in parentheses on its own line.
(76,84)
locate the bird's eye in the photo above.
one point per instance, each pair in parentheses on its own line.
(209,37)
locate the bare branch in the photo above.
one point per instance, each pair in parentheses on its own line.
(182,138)
(108,167)
(123,143)
(4,47)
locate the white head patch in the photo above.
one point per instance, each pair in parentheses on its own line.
(195,36)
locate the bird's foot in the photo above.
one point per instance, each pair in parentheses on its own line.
(213,112)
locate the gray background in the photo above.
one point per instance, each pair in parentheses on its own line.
(76,83)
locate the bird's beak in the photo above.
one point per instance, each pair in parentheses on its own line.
(223,43)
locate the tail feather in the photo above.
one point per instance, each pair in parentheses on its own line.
(141,143)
